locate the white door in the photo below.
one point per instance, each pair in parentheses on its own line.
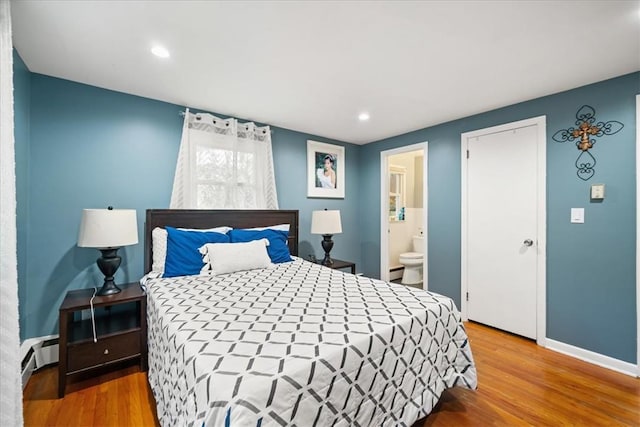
(503,234)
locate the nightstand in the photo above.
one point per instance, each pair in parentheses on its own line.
(121,331)
(339,264)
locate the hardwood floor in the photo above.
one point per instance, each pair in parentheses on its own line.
(120,398)
(519,384)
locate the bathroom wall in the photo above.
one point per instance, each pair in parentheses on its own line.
(418,190)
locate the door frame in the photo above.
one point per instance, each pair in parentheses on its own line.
(541,263)
(384,208)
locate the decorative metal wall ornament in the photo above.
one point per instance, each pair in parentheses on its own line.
(585,119)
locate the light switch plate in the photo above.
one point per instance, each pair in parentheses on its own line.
(597,192)
(577,215)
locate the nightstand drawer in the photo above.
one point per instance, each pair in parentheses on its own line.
(87,355)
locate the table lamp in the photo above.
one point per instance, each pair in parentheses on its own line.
(108,230)
(326,223)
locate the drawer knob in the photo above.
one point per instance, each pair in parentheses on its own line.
(106,351)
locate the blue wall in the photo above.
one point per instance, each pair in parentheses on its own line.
(290,158)
(90,148)
(591,289)
(78,146)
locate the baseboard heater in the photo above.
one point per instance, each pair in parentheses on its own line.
(38,353)
(395,272)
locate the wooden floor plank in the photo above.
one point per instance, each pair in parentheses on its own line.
(520,384)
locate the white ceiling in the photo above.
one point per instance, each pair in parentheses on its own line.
(314,66)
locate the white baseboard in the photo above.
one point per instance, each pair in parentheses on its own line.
(592,357)
(44,353)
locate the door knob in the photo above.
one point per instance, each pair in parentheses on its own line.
(528,242)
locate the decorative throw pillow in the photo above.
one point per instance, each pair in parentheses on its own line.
(231,257)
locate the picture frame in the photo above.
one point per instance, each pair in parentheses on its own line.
(325,170)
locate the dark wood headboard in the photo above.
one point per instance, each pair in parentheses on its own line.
(198,218)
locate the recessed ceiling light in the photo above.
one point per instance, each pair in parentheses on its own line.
(160,52)
(363,117)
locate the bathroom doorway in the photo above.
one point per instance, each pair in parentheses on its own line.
(403,214)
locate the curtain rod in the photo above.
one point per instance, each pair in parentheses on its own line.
(183,113)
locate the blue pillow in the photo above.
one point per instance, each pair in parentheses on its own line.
(183,257)
(278,250)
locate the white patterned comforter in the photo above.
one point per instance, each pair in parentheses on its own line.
(300,344)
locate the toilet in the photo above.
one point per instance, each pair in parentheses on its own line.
(412,262)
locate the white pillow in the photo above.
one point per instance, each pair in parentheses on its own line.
(159,244)
(231,257)
(281,227)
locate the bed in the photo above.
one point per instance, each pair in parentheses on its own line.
(296,343)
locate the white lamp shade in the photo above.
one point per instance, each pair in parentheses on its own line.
(326,222)
(104,228)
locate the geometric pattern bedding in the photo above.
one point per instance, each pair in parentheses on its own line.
(300,344)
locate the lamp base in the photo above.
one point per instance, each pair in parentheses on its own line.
(108,264)
(108,289)
(327,245)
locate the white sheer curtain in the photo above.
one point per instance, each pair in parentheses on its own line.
(10,388)
(223,164)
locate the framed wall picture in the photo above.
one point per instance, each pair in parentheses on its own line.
(325,170)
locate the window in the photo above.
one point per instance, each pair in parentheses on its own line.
(230,166)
